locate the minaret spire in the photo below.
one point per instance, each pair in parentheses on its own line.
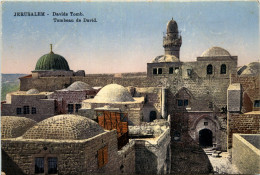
(51,48)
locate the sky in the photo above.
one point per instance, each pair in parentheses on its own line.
(127,35)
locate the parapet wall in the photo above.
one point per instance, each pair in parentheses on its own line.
(245,156)
(242,123)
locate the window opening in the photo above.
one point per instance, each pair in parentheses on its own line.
(52,165)
(160,71)
(223,69)
(209,69)
(26,110)
(33,110)
(154,71)
(171,70)
(39,165)
(18,110)
(70,108)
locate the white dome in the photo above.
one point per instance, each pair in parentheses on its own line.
(79,86)
(113,93)
(32,91)
(165,58)
(215,51)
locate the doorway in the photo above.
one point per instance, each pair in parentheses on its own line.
(152,116)
(205,138)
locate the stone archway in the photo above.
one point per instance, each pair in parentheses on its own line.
(205,138)
(206,127)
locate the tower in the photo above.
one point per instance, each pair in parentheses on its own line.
(172,40)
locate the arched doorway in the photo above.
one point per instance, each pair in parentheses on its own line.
(152,116)
(205,138)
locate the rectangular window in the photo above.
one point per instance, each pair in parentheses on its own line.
(52,165)
(159,70)
(205,123)
(171,70)
(26,110)
(33,110)
(70,108)
(78,106)
(257,103)
(186,102)
(102,156)
(180,102)
(154,71)
(39,165)
(18,111)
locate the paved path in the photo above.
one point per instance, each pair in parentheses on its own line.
(222,164)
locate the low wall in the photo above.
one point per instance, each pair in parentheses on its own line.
(245,155)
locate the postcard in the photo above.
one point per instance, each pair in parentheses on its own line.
(135,87)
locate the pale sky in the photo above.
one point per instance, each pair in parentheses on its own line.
(126,35)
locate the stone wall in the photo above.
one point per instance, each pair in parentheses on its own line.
(152,102)
(74,157)
(127,158)
(243,123)
(44,107)
(251,90)
(153,155)
(245,156)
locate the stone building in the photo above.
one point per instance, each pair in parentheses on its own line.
(243,102)
(30,104)
(141,104)
(63,144)
(69,100)
(72,144)
(41,105)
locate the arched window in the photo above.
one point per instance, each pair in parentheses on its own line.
(209,69)
(223,69)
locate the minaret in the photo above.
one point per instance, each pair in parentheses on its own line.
(172,40)
(51,48)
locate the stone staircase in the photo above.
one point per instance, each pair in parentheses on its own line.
(212,152)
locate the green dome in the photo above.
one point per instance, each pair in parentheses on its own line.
(52,61)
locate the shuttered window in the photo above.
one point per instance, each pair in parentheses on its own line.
(102,156)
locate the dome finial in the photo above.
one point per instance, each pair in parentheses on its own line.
(51,48)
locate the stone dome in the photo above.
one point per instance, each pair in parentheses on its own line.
(32,91)
(250,69)
(79,86)
(64,127)
(113,93)
(165,58)
(215,52)
(52,61)
(13,126)
(172,26)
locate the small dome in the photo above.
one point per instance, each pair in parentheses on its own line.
(113,93)
(13,126)
(52,61)
(250,69)
(214,52)
(79,86)
(32,91)
(172,27)
(165,58)
(64,127)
